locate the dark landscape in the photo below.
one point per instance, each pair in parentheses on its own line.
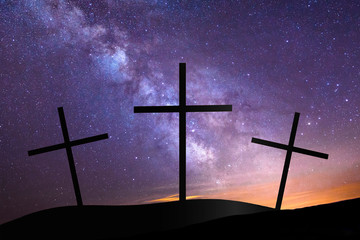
(191,219)
(103,222)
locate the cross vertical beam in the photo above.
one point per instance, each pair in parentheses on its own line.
(289,150)
(70,156)
(68,145)
(182,109)
(182,132)
(287,161)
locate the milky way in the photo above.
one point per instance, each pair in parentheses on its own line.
(99,59)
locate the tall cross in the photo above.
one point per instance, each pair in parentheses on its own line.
(289,149)
(67,144)
(182,109)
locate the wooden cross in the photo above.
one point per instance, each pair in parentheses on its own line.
(67,144)
(182,109)
(289,149)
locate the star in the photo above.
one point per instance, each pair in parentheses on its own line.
(99,59)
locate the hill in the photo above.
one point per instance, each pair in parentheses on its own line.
(192,219)
(338,220)
(105,222)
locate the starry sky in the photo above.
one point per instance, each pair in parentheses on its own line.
(99,59)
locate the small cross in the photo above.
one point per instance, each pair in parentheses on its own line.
(289,149)
(182,109)
(67,145)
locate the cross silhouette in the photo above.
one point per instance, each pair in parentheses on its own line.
(182,109)
(67,144)
(289,149)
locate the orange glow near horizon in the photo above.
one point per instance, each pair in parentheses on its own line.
(170,198)
(312,198)
(268,193)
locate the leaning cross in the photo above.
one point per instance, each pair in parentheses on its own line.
(68,144)
(182,109)
(289,148)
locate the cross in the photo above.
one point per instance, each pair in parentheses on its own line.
(289,149)
(67,144)
(182,109)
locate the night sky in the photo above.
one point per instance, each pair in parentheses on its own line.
(99,59)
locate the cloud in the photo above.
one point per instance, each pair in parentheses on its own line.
(204,86)
(66,27)
(199,154)
(113,63)
(64,20)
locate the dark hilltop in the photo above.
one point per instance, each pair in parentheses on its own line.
(191,219)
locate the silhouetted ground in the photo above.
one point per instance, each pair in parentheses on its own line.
(107,222)
(202,219)
(339,220)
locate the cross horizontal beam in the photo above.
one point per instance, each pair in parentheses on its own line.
(46,149)
(290,148)
(71,144)
(187,108)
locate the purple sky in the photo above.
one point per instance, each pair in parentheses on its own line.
(98,59)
